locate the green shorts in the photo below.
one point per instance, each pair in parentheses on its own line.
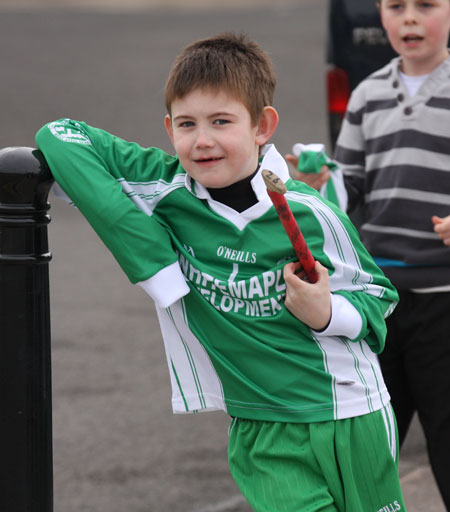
(347,465)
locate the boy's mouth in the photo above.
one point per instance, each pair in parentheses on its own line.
(207,160)
(412,38)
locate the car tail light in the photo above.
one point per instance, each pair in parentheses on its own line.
(338,91)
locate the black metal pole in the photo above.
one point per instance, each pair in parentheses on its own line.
(26,462)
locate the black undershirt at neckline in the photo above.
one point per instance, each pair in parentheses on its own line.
(239,196)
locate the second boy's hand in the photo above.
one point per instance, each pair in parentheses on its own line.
(309,302)
(442,228)
(312,179)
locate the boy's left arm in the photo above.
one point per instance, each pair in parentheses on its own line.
(442,228)
(352,296)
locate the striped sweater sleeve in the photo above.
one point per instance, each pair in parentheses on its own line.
(350,153)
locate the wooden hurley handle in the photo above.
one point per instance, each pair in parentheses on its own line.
(276,190)
(273,182)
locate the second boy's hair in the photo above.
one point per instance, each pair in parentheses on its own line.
(230,62)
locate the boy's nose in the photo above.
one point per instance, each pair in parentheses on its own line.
(410,14)
(203,140)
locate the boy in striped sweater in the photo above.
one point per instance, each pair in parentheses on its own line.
(394,150)
(293,363)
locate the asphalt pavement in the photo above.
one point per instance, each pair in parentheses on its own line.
(117,445)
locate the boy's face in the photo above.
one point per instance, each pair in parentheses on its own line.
(214,137)
(418,31)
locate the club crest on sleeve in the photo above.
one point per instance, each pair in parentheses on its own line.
(69,132)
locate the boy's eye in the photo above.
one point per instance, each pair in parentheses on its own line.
(394,6)
(186,124)
(221,121)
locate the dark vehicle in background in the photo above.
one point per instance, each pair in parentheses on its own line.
(357,45)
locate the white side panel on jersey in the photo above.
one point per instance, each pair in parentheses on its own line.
(358,386)
(195,384)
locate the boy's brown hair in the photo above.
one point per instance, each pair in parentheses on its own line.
(226,61)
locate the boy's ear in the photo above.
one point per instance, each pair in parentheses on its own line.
(380,12)
(168,126)
(267,125)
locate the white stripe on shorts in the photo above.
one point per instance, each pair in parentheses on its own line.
(389,422)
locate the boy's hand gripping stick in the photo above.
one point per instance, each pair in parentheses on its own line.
(276,190)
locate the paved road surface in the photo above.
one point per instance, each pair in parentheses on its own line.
(117,446)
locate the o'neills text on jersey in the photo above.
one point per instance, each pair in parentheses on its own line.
(235,255)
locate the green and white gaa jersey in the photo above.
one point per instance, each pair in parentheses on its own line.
(216,276)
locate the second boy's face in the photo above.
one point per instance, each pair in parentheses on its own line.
(418,30)
(214,137)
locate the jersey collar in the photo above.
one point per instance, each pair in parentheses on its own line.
(271,160)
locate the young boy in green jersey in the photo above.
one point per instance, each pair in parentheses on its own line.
(293,363)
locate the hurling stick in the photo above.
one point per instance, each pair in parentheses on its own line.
(276,190)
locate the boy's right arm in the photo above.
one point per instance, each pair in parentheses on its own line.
(88,164)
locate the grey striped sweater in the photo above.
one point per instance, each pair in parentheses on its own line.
(394,151)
